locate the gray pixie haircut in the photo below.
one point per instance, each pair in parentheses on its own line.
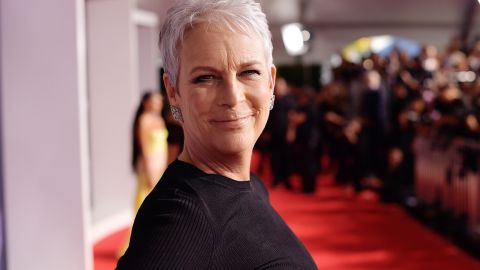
(245,16)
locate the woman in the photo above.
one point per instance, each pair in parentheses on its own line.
(208,211)
(149,149)
(149,159)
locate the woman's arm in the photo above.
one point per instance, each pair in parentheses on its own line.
(146,127)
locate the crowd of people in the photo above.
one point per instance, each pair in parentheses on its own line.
(366,118)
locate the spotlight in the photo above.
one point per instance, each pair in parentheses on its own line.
(306,35)
(294,37)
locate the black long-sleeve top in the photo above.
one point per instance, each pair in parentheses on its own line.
(193,220)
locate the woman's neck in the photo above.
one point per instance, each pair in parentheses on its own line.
(236,167)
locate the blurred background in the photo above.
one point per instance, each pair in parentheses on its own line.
(386,93)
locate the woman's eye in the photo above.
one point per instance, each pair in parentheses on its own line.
(250,72)
(203,78)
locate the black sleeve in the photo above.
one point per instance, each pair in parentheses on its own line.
(172,233)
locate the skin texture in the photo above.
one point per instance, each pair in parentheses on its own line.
(223,90)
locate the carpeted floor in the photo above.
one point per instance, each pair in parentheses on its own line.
(345,232)
(359,232)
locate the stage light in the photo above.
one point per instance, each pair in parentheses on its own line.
(306,35)
(294,37)
(380,43)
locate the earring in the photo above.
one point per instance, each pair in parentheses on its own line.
(272,101)
(176,113)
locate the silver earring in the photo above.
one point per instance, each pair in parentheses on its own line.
(176,113)
(272,101)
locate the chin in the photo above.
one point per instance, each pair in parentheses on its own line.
(234,145)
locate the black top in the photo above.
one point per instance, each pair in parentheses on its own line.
(193,220)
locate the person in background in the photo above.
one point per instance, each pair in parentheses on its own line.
(149,149)
(331,107)
(149,158)
(208,211)
(304,120)
(449,114)
(281,148)
(371,138)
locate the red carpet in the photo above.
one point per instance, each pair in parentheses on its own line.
(356,234)
(347,234)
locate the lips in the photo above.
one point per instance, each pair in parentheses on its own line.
(232,122)
(231,119)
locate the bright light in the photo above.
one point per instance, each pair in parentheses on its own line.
(293,39)
(380,43)
(466,76)
(335,60)
(306,35)
(353,56)
(431,64)
(368,64)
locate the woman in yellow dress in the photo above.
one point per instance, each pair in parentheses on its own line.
(150,150)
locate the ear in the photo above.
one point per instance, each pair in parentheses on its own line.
(170,89)
(273,77)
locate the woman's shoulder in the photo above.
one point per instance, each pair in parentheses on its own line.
(182,181)
(148,120)
(170,226)
(259,186)
(173,196)
(174,182)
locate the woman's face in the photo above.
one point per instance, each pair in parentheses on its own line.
(154,104)
(224,90)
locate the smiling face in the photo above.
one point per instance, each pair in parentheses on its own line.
(224,90)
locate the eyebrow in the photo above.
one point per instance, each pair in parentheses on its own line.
(212,69)
(250,63)
(203,68)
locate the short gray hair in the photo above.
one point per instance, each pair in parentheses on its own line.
(245,16)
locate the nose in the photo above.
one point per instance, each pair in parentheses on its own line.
(232,92)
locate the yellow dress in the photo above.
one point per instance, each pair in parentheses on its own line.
(156,159)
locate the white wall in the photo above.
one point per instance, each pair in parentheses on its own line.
(148,55)
(148,58)
(122,63)
(113,94)
(44,139)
